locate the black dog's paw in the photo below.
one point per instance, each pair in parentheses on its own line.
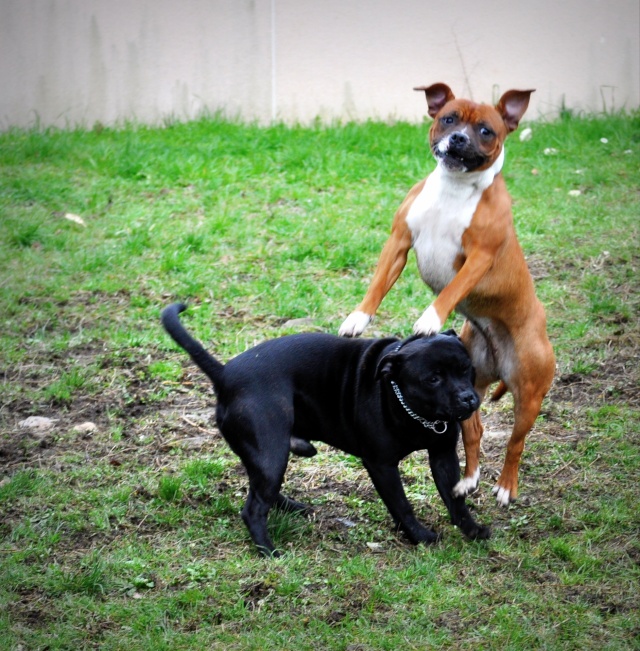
(431,539)
(475,531)
(270,553)
(422,536)
(484,533)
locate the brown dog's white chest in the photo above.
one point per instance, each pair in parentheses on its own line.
(440,215)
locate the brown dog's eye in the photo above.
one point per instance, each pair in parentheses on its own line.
(485,132)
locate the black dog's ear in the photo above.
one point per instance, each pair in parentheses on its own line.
(385,365)
(450,333)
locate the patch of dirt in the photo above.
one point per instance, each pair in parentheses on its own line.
(31,612)
(615,380)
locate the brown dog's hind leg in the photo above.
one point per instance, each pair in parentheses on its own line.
(531,378)
(525,413)
(481,353)
(472,430)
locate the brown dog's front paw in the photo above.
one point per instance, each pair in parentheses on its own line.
(504,496)
(429,323)
(467,485)
(354,324)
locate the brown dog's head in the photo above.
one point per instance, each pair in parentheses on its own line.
(468,137)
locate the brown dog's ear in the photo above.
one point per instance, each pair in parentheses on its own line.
(512,106)
(437,96)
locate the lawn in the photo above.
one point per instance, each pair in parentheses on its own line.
(120,521)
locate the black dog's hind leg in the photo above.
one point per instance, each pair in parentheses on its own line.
(256,511)
(254,515)
(266,464)
(386,479)
(445,468)
(288,505)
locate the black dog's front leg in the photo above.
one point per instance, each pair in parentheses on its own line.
(445,468)
(386,479)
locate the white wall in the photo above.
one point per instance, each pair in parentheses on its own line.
(65,62)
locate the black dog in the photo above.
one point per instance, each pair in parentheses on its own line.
(370,398)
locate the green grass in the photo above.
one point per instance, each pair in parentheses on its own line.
(130,536)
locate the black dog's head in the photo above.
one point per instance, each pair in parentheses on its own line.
(435,376)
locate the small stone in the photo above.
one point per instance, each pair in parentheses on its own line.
(38,423)
(76,219)
(526,134)
(86,428)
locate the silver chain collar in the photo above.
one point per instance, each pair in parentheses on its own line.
(438,426)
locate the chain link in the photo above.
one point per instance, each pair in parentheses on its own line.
(438,426)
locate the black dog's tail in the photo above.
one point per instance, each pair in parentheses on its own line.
(171,322)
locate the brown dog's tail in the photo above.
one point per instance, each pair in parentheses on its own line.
(499,391)
(171,322)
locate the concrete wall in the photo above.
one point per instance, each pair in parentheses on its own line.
(67,62)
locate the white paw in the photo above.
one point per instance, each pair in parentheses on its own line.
(503,496)
(429,323)
(467,485)
(354,324)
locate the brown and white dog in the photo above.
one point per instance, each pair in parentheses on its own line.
(459,222)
